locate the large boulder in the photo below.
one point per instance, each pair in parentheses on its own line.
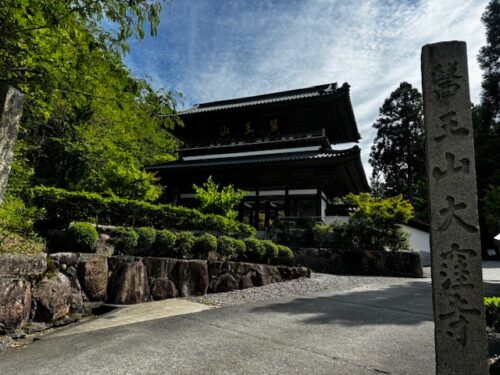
(67,259)
(159,267)
(53,297)
(93,276)
(246,281)
(22,266)
(191,277)
(15,304)
(297,272)
(129,284)
(224,283)
(265,274)
(163,288)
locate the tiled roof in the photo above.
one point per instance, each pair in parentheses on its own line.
(257,159)
(283,96)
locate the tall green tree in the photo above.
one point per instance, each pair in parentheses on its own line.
(87,122)
(486,121)
(397,155)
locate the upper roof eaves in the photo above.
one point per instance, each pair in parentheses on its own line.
(282,96)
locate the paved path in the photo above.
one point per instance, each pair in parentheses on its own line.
(374,329)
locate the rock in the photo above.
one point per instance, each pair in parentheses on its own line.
(53,297)
(224,283)
(159,267)
(35,327)
(104,246)
(191,277)
(129,284)
(246,281)
(6,343)
(298,272)
(15,304)
(163,288)
(265,274)
(19,266)
(285,272)
(69,259)
(93,276)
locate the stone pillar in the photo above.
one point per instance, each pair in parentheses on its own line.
(457,285)
(11,102)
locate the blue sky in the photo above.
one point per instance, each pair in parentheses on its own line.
(220,49)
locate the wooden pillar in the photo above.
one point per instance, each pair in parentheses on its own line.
(318,203)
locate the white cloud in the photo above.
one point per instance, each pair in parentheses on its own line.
(241,49)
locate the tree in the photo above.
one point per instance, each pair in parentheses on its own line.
(215,200)
(87,124)
(486,122)
(397,155)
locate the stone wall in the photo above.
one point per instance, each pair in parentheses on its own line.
(59,289)
(401,263)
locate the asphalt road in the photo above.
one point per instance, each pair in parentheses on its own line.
(376,329)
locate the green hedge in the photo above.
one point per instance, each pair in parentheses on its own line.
(492,312)
(63,207)
(81,237)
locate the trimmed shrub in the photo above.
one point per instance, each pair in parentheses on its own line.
(255,249)
(492,312)
(239,249)
(270,250)
(285,255)
(124,240)
(146,237)
(184,244)
(164,243)
(226,247)
(64,206)
(82,237)
(204,244)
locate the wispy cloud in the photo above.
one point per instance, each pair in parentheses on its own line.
(211,50)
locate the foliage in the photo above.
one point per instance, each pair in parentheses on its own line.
(81,237)
(486,122)
(13,243)
(376,223)
(124,240)
(492,312)
(16,217)
(64,206)
(216,200)
(204,244)
(285,255)
(397,155)
(239,249)
(321,233)
(255,249)
(146,237)
(226,246)
(87,124)
(492,209)
(184,244)
(164,243)
(270,250)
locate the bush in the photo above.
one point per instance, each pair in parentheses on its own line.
(270,250)
(204,244)
(492,312)
(226,247)
(184,244)
(239,249)
(64,206)
(285,255)
(146,237)
(82,237)
(321,233)
(164,244)
(255,249)
(124,240)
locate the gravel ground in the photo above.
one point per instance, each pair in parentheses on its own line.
(300,287)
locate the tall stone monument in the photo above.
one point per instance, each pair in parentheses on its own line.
(11,102)
(457,285)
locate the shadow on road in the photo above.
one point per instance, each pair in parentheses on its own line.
(402,304)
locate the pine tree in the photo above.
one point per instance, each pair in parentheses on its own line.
(397,155)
